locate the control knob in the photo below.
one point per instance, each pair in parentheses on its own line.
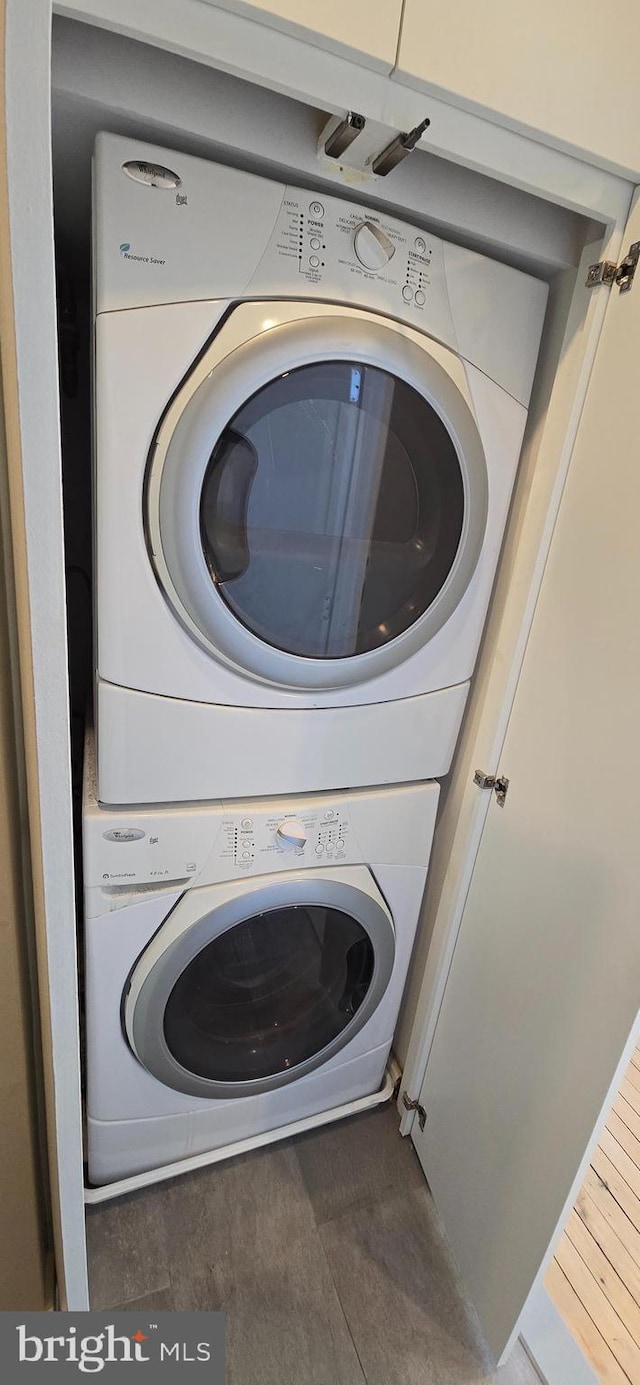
(373,248)
(291,833)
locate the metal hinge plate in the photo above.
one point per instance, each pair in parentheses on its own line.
(608,273)
(492,781)
(411,1105)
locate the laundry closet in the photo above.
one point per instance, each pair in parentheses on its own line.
(501,800)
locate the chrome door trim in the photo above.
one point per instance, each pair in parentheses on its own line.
(159,968)
(180,457)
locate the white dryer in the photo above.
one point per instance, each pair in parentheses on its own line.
(308,418)
(244,964)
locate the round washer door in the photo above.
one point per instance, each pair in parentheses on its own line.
(317,504)
(243,992)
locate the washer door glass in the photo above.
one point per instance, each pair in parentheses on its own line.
(246,993)
(269,994)
(332,510)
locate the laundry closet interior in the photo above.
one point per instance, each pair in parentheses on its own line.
(346,825)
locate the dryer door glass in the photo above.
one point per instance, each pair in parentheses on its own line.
(269,993)
(332,510)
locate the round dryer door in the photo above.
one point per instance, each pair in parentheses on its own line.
(242,991)
(317,504)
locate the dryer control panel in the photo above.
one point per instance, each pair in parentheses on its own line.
(329,248)
(171,228)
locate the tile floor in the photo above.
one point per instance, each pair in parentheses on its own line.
(324,1251)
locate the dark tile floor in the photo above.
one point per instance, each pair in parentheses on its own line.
(325,1252)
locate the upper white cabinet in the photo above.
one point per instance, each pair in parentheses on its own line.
(566,70)
(352,28)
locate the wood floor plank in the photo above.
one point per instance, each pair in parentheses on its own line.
(595,1278)
(613,1286)
(621,1160)
(633,1076)
(630,1093)
(593,1298)
(607,1207)
(627,1114)
(625,1137)
(582,1327)
(610,1244)
(618,1187)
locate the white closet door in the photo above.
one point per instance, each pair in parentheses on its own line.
(544,985)
(538,68)
(357,29)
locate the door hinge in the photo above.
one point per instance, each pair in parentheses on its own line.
(492,781)
(608,273)
(411,1105)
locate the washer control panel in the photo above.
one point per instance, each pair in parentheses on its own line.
(203,844)
(279,837)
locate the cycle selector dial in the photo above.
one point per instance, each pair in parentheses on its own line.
(291,833)
(373,248)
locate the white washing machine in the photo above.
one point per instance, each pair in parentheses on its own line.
(308,418)
(244,964)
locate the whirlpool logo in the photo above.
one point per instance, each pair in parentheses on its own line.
(172,1344)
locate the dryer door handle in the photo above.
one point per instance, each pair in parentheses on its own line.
(224,505)
(357,980)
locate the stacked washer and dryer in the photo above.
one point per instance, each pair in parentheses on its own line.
(308,418)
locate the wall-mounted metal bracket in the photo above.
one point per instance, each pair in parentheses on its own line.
(398,149)
(344,134)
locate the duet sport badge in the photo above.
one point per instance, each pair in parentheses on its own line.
(168,1346)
